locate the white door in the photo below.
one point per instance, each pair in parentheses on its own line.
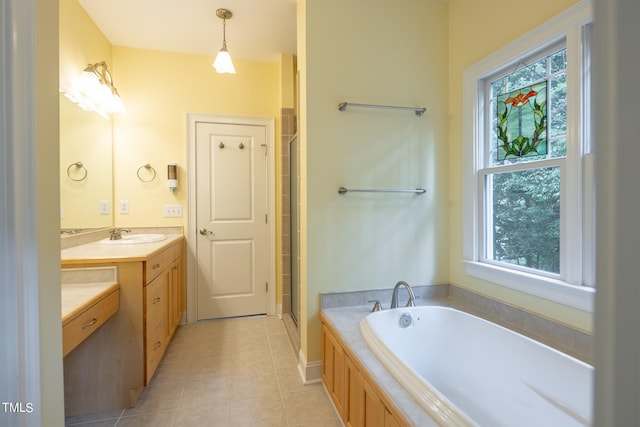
(231,217)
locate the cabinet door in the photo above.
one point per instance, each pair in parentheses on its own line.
(174,303)
(363,407)
(333,370)
(156,325)
(328,349)
(354,411)
(338,378)
(389,420)
(374,409)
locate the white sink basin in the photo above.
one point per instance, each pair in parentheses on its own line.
(134,239)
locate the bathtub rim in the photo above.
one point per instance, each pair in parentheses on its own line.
(437,406)
(409,379)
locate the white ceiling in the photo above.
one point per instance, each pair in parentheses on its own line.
(259,29)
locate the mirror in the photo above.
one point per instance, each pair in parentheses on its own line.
(86,168)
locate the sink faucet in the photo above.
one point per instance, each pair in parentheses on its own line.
(116,233)
(394,298)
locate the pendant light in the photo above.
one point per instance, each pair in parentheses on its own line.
(223,63)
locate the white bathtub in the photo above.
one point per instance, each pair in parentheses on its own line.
(466,371)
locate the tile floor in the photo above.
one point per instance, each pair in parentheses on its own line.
(232,372)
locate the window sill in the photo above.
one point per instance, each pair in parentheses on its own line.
(580,297)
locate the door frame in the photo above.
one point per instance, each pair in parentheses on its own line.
(191,232)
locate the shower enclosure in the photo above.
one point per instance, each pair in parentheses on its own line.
(294,228)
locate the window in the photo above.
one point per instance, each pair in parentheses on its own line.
(527,167)
(524,146)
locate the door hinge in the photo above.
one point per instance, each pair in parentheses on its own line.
(266,218)
(266,286)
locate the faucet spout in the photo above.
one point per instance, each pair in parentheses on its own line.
(394,297)
(116,233)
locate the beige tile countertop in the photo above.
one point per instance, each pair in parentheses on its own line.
(77,297)
(96,251)
(83,287)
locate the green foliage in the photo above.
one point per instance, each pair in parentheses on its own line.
(526,218)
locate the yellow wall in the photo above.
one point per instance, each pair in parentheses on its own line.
(368,53)
(288,80)
(468,43)
(159,89)
(84,136)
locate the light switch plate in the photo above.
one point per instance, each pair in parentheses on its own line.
(172,211)
(105,207)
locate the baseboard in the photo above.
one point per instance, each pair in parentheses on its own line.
(310,372)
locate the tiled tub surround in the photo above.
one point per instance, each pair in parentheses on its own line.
(343,312)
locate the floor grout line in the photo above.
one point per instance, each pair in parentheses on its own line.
(195,344)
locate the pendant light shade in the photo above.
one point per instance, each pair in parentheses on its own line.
(223,63)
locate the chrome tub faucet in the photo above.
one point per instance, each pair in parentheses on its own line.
(394,297)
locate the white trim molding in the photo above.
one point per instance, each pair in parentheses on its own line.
(310,372)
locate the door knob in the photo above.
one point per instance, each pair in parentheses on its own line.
(205,232)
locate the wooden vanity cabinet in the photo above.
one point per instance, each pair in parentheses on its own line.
(356,396)
(176,287)
(128,342)
(156,303)
(78,329)
(163,304)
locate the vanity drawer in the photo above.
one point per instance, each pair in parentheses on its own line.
(78,329)
(154,350)
(153,267)
(156,303)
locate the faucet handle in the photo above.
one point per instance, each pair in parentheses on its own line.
(376,307)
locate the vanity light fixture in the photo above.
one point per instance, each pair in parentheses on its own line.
(223,63)
(94,91)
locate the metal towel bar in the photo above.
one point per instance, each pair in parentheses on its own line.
(417,110)
(343,190)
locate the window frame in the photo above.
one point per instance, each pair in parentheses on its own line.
(574,286)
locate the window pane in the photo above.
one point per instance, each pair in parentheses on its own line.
(522,122)
(558,147)
(526,218)
(558,105)
(559,61)
(525,76)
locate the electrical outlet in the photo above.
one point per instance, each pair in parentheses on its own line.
(172,211)
(105,207)
(124,207)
